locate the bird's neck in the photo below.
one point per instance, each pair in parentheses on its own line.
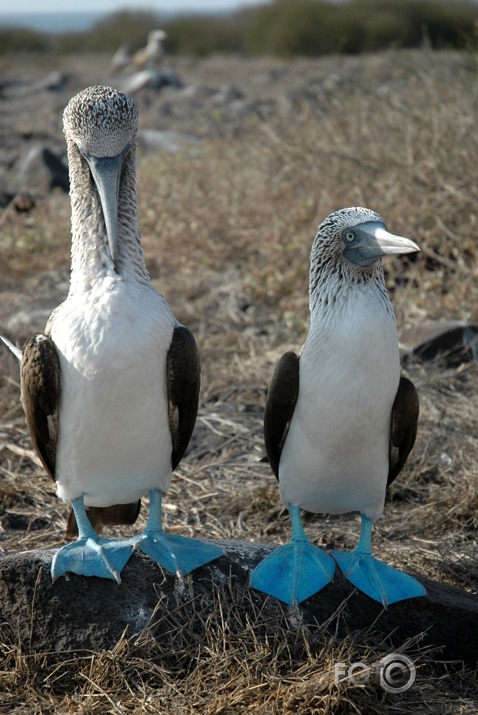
(332,283)
(91,260)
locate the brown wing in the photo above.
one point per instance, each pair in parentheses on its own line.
(40,383)
(404,427)
(280,404)
(40,387)
(184,378)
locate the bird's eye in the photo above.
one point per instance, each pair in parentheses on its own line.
(349,236)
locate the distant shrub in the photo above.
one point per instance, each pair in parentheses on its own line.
(448,24)
(284,27)
(316,27)
(202,36)
(405,23)
(302,27)
(119,28)
(20,40)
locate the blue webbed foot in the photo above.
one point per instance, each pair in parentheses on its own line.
(296,571)
(374,578)
(293,572)
(90,554)
(93,556)
(177,554)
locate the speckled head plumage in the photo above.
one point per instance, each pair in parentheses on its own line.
(100,125)
(101,121)
(347,249)
(344,218)
(328,244)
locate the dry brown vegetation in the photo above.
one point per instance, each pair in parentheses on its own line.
(227,232)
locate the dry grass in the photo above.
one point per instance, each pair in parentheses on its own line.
(235,661)
(227,232)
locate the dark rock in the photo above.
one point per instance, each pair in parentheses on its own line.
(40,170)
(21,522)
(170,78)
(59,176)
(151,79)
(450,343)
(77,613)
(54,81)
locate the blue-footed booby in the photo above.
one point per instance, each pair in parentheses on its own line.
(110,390)
(339,421)
(151,55)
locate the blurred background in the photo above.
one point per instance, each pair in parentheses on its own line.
(250,27)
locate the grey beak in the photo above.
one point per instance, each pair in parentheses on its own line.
(106,172)
(368,242)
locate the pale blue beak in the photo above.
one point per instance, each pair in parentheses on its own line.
(106,172)
(367,242)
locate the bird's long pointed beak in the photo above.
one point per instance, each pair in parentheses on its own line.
(389,243)
(106,172)
(368,242)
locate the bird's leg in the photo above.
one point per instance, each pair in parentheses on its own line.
(298,533)
(90,554)
(364,545)
(176,554)
(371,576)
(85,530)
(295,571)
(154,518)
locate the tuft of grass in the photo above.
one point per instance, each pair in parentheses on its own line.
(236,660)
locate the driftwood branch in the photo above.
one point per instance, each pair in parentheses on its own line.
(78,613)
